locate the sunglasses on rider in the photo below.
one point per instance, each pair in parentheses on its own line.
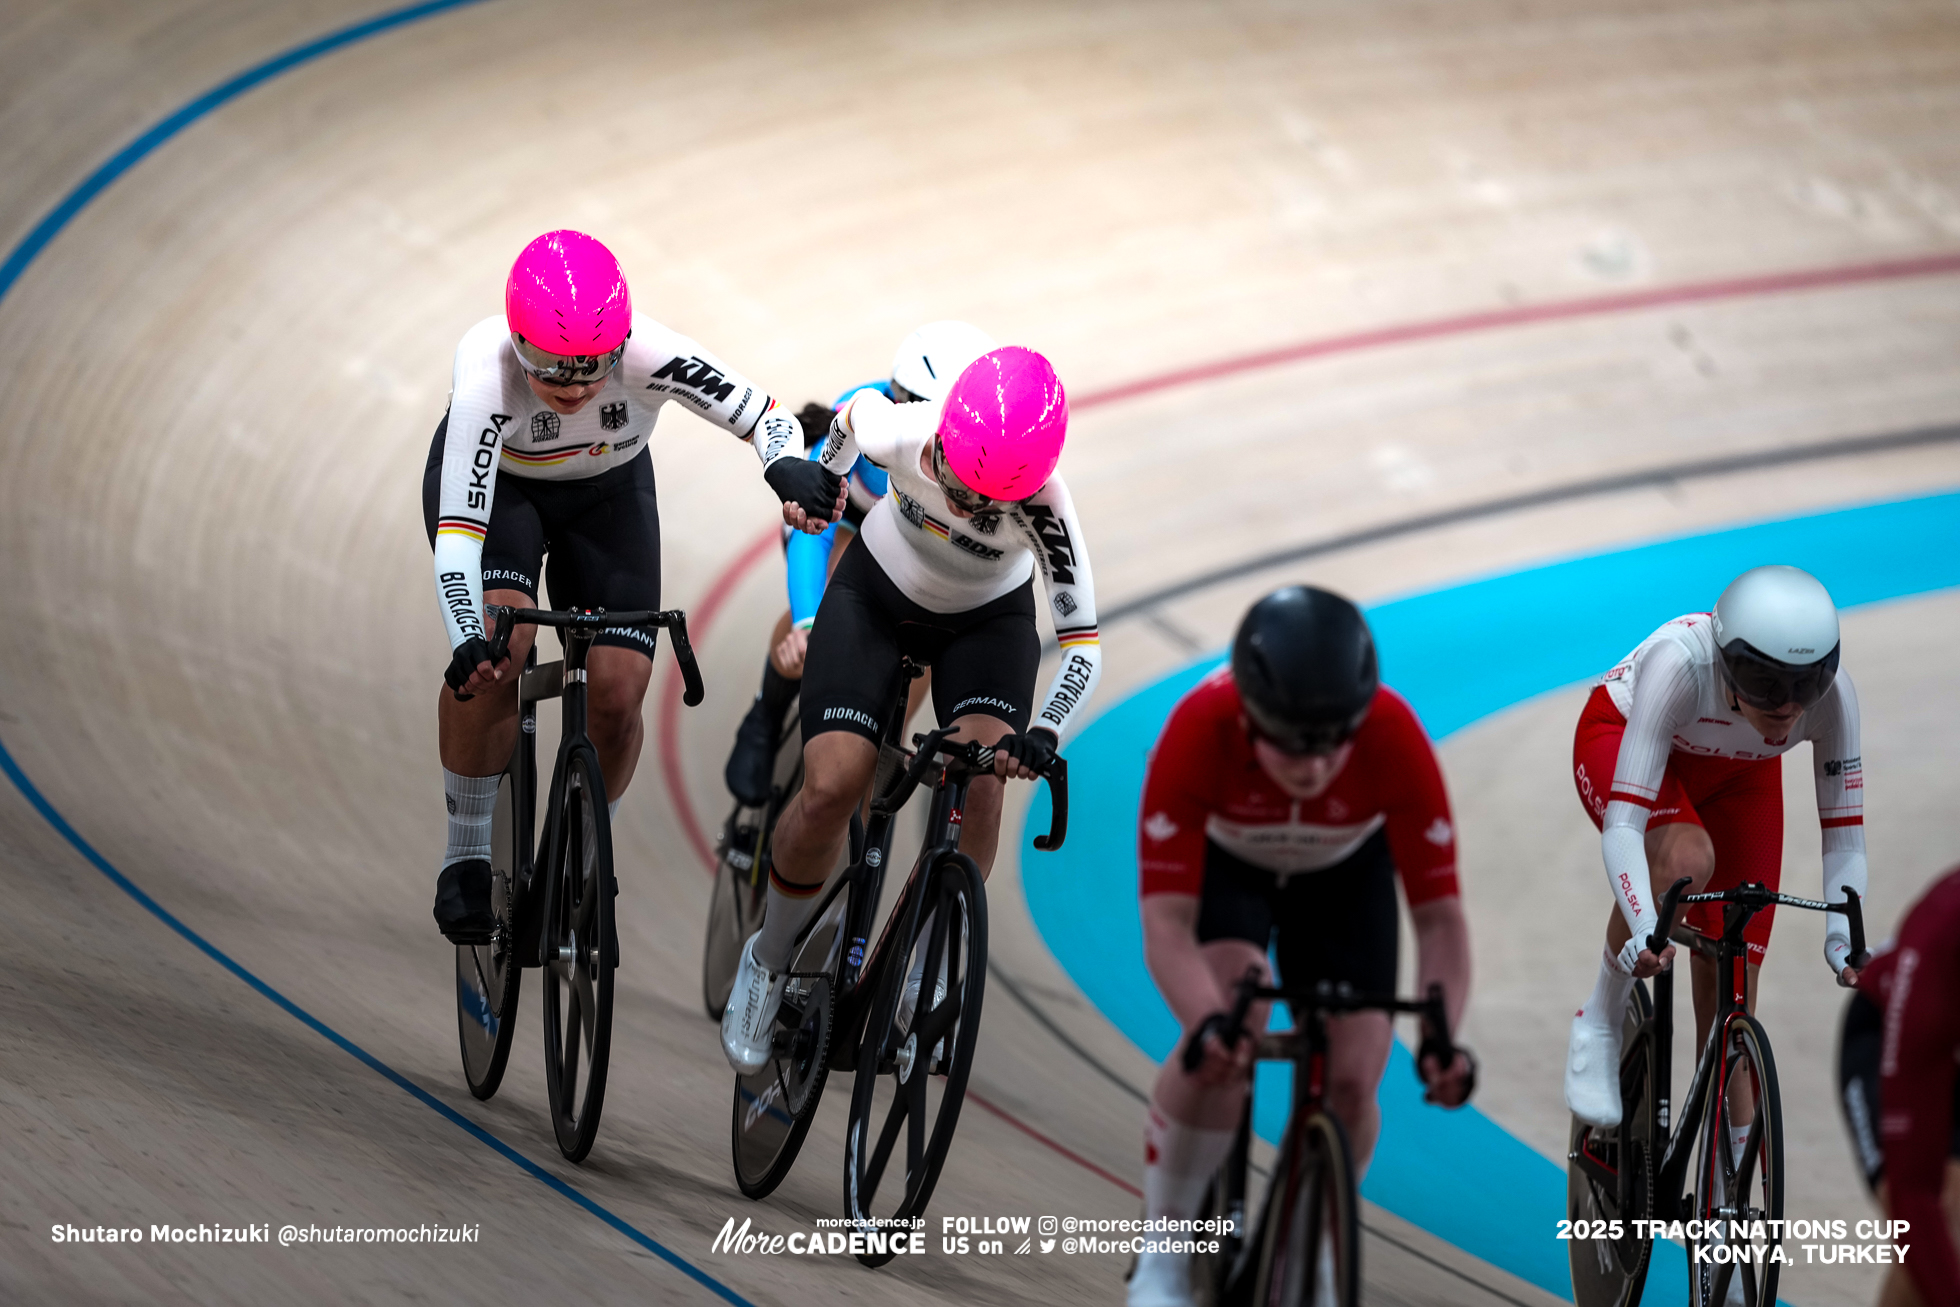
(558,370)
(1318,740)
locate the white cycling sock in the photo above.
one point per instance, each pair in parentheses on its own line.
(471,801)
(788,907)
(1611,990)
(1738,1140)
(1178,1162)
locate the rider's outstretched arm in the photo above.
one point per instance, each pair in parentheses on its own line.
(1055,535)
(1422,839)
(1840,776)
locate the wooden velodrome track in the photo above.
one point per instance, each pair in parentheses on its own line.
(221,648)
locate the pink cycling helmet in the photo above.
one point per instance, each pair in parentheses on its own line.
(1003,424)
(568,307)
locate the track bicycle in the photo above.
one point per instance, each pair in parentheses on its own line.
(553,900)
(1637,1172)
(843,1007)
(1306,1249)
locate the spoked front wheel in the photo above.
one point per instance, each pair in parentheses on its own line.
(580,954)
(913,1062)
(1739,1177)
(487,975)
(1310,1250)
(774,1105)
(1609,1176)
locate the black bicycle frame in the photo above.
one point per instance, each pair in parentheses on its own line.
(1731,954)
(866,875)
(566,681)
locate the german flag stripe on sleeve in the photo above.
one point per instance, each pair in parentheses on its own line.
(461,526)
(1072,636)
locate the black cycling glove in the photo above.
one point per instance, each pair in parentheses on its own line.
(1034,750)
(463,662)
(811,486)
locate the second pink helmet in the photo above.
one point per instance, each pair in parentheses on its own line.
(1003,424)
(568,307)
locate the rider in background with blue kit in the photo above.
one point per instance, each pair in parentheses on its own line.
(926,363)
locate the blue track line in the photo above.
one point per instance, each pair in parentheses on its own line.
(17,262)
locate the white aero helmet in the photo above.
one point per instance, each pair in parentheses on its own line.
(933,356)
(1778,632)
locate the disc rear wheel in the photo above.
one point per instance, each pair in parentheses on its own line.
(1610,1175)
(774,1105)
(580,956)
(742,873)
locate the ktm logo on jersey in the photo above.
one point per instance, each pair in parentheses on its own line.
(1054,541)
(696,374)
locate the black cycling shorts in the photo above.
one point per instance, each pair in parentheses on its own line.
(596,540)
(983,660)
(1859,1048)
(1338,923)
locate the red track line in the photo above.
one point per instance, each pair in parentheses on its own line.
(668,728)
(1039,1137)
(1694,292)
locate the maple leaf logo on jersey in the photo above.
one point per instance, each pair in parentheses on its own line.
(1160,827)
(1439,832)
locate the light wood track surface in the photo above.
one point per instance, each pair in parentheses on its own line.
(223,649)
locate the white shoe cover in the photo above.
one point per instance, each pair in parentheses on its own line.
(1592,1072)
(1161,1280)
(750,1019)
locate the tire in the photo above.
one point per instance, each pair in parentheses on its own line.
(1609,1272)
(905,1082)
(742,873)
(1213,1282)
(487,975)
(1739,1186)
(1311,1227)
(581,948)
(773,1108)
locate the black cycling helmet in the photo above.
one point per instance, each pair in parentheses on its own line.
(1305,667)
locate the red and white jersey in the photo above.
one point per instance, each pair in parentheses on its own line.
(1675,699)
(1205,785)
(1673,695)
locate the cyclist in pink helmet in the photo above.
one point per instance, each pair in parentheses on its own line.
(568,308)
(1001,431)
(943,573)
(540,472)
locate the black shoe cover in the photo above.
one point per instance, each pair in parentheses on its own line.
(463,902)
(751,767)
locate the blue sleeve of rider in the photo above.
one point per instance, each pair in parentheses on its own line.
(809,569)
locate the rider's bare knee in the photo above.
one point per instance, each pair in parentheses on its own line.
(1348,1094)
(829,799)
(1684,855)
